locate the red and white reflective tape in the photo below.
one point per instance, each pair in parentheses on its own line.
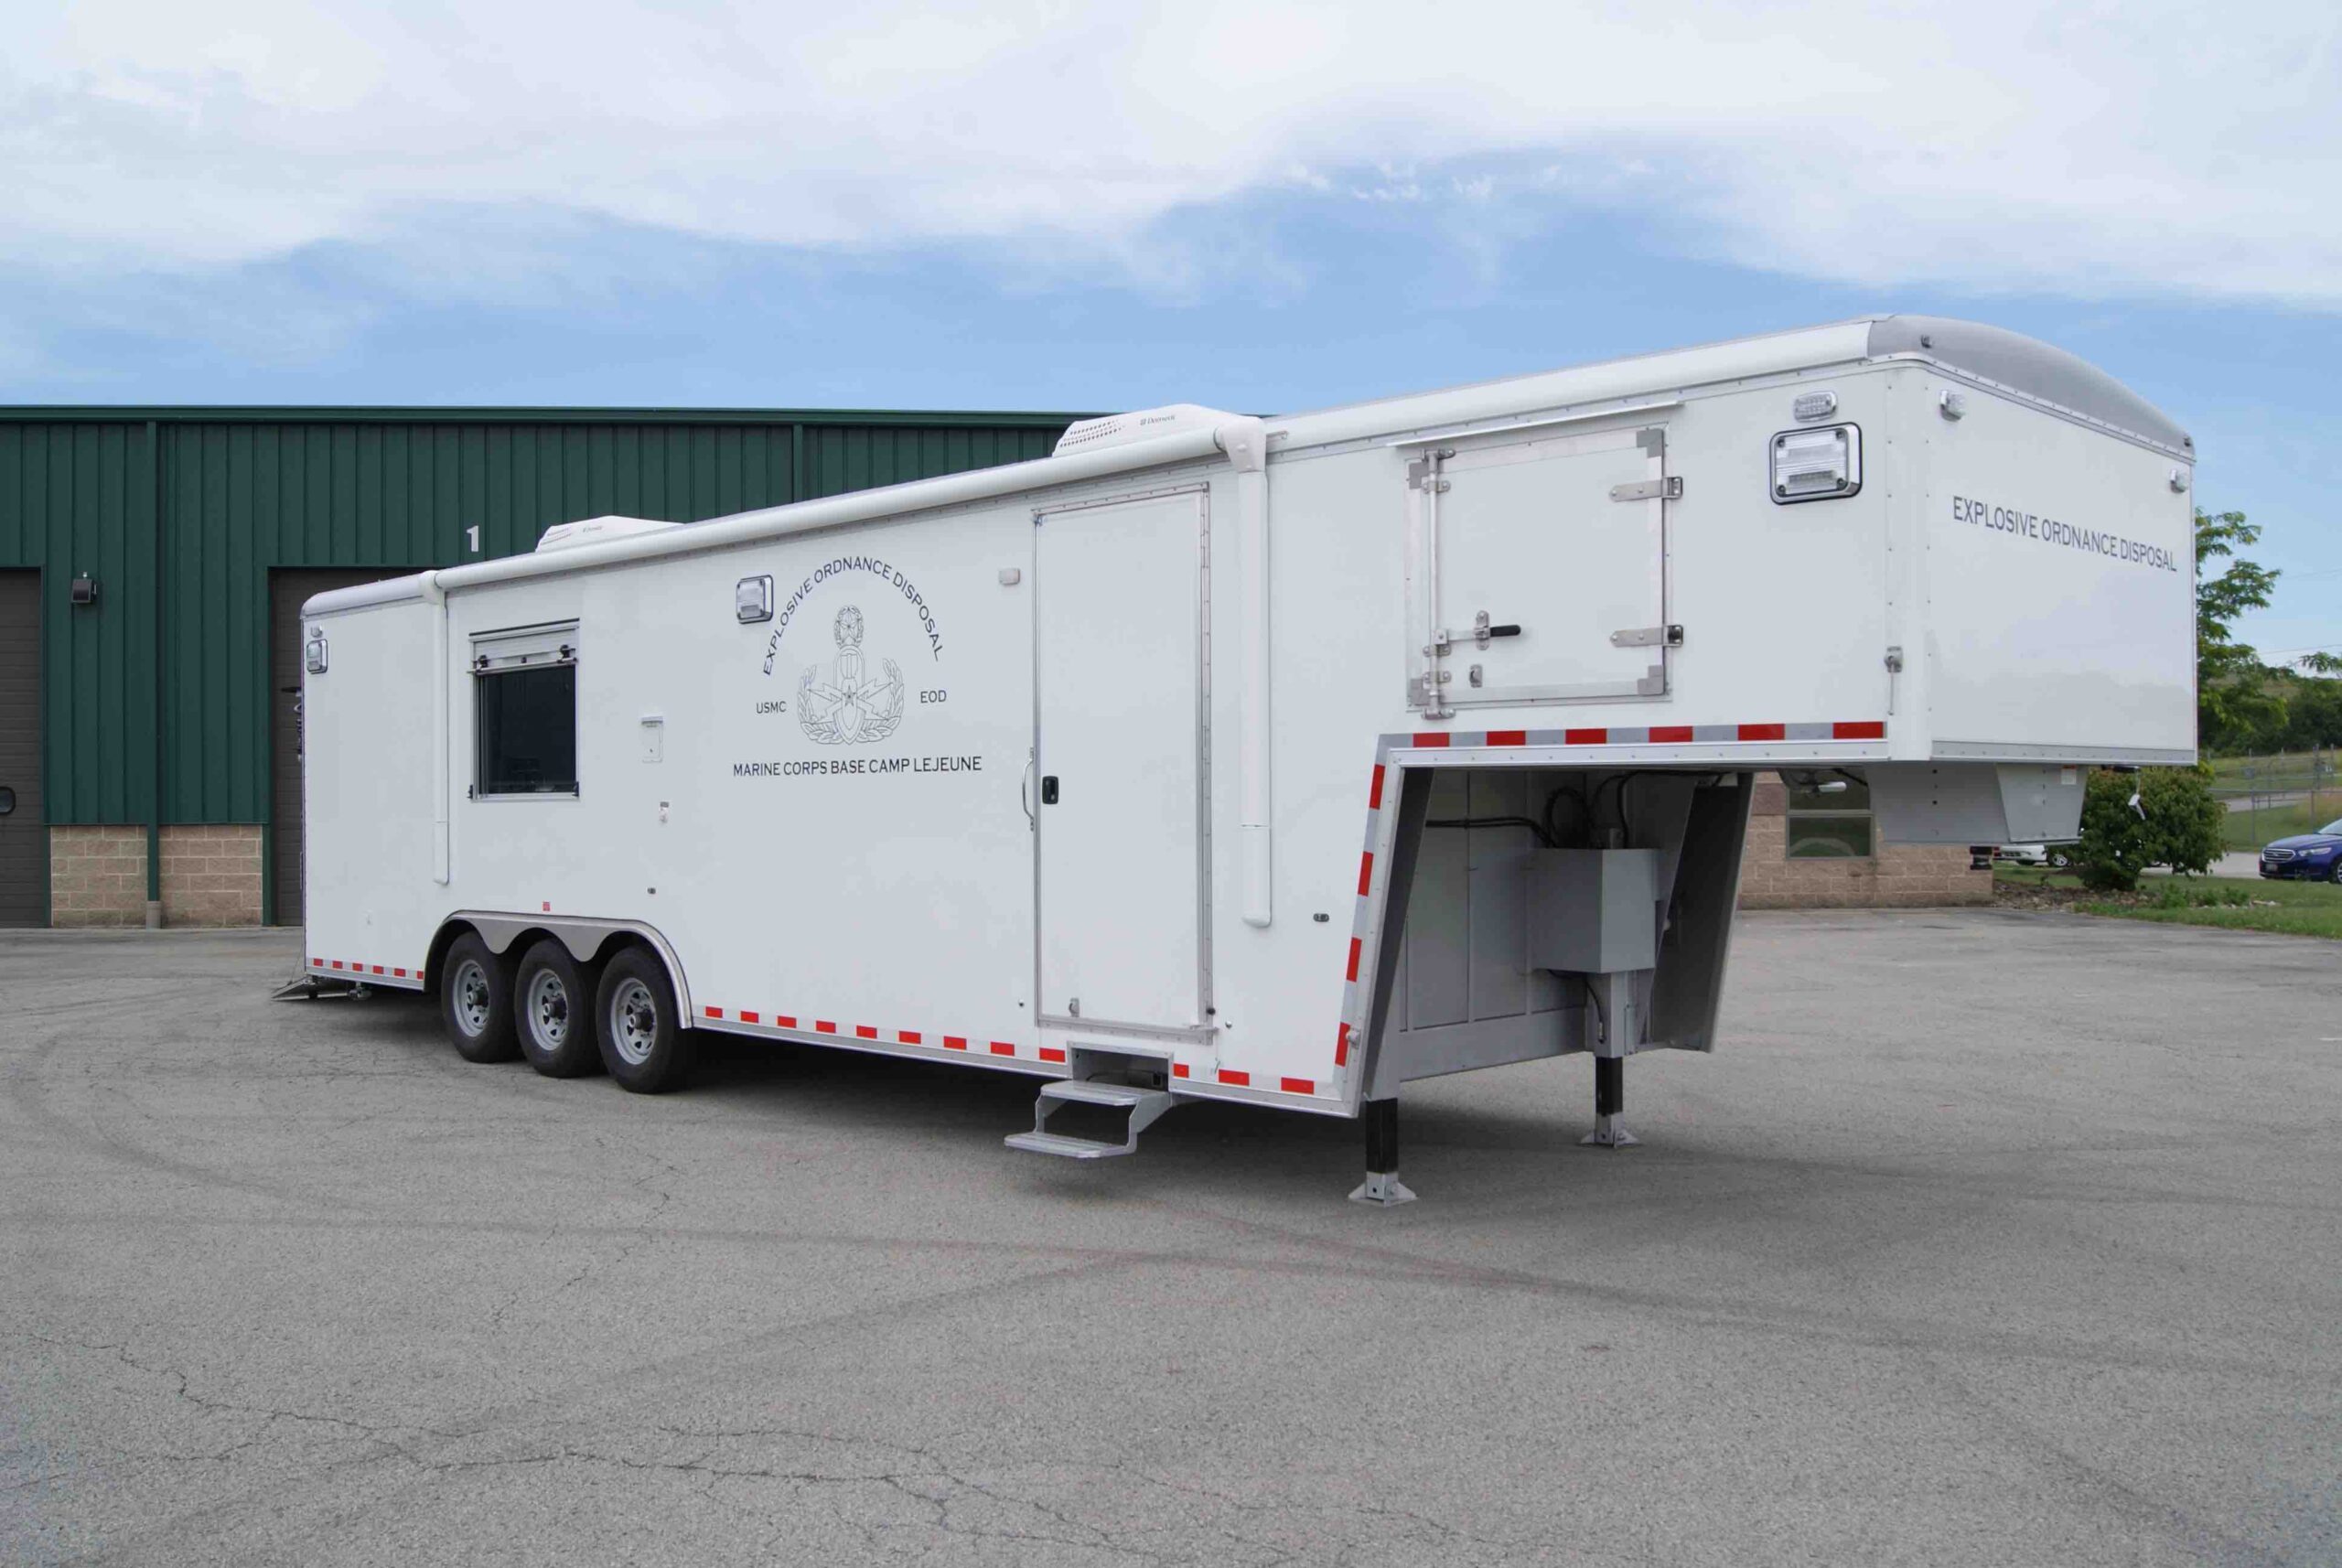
(822,1030)
(359,967)
(1653,735)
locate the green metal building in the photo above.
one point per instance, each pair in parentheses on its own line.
(153,562)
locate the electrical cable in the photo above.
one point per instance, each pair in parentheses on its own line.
(1626,822)
(1554,836)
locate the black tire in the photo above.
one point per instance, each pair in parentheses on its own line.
(475,1002)
(553,1012)
(637,1027)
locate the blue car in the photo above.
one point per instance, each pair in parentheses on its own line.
(2309,856)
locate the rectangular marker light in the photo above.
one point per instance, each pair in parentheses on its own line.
(752,599)
(1817,464)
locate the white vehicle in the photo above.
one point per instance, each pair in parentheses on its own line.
(1121,767)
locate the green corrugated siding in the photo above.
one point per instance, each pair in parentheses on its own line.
(74,499)
(244,492)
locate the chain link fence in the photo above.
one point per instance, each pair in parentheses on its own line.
(2275,795)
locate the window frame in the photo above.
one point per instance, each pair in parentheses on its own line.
(515,651)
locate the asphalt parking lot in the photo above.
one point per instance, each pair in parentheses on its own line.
(1988,1238)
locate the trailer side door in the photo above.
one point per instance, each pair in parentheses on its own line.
(1120,687)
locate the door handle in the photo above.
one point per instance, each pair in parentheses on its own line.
(1048,789)
(1025,793)
(1482,631)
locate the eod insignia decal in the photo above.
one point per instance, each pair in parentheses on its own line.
(851,694)
(846,702)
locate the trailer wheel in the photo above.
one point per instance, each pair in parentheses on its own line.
(475,1001)
(642,1040)
(552,1003)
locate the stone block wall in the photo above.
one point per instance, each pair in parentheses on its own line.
(211,874)
(97,876)
(1897,875)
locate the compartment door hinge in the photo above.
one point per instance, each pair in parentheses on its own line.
(1424,473)
(1669,489)
(1424,690)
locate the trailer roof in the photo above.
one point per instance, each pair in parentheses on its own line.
(2023,365)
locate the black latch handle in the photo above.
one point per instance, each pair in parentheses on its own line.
(1048,789)
(1512,631)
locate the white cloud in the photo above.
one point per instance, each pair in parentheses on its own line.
(2110,149)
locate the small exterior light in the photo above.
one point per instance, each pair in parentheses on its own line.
(1952,404)
(1814,406)
(2179,482)
(313,652)
(752,599)
(83,590)
(1820,464)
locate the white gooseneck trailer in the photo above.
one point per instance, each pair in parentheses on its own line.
(1282,760)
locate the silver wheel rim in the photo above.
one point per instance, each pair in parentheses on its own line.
(548,1011)
(471,997)
(634,1022)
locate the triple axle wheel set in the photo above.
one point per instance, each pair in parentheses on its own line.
(566,1018)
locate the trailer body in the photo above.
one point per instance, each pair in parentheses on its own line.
(1138,764)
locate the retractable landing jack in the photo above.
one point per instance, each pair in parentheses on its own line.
(1609,1100)
(1381,1187)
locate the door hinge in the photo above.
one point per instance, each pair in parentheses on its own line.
(1648,636)
(1666,489)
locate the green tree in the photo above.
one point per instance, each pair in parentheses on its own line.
(2177,822)
(2233,697)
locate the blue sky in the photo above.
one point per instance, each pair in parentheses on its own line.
(1264,207)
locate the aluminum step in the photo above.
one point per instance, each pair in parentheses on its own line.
(1143,1106)
(1092,1093)
(1038,1143)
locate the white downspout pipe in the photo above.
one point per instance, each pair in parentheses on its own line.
(436,597)
(1246,444)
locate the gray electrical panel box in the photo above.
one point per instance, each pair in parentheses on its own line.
(1594,912)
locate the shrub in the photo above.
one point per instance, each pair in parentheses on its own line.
(2180,826)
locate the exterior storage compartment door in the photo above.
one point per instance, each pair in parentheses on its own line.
(1542,564)
(1118,795)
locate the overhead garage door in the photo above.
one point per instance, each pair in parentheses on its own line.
(23,843)
(288,589)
